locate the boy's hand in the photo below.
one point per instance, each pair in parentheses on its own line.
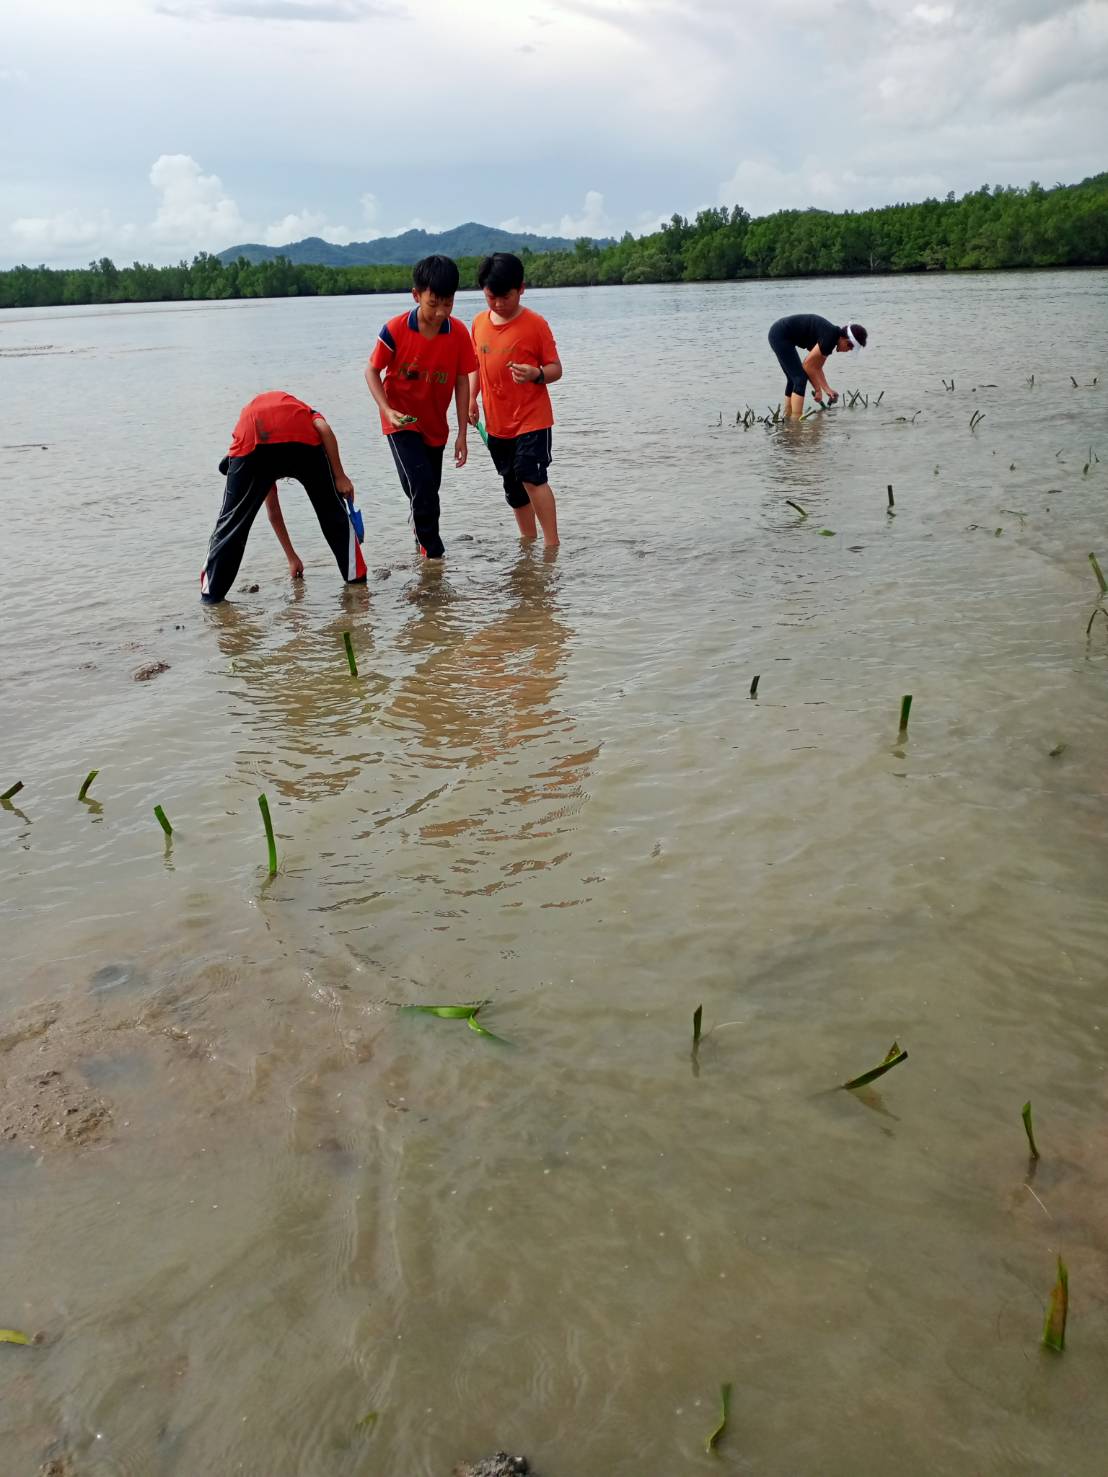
(474,413)
(524,374)
(296,566)
(832,395)
(344,485)
(397,419)
(461,451)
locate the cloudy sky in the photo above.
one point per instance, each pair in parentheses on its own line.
(153,129)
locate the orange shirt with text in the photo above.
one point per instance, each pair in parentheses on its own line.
(511,409)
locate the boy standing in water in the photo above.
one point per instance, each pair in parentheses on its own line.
(425,356)
(516,359)
(821,338)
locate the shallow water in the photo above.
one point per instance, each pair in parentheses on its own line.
(255,1202)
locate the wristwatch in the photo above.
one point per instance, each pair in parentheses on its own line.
(542,376)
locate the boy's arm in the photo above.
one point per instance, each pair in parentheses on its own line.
(813,368)
(461,406)
(380,399)
(277,523)
(474,391)
(331,447)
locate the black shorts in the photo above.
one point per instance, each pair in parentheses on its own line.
(521,459)
(788,356)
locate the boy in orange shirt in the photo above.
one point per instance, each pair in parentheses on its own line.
(426,357)
(516,360)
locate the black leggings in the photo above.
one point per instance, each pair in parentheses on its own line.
(419,467)
(249,479)
(788,356)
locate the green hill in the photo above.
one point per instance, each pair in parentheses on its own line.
(470,239)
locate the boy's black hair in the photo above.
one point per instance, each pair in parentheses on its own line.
(438,273)
(501,272)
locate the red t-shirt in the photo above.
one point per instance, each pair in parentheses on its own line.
(420,373)
(274,417)
(511,409)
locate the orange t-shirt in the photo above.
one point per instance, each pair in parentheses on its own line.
(273,417)
(511,409)
(419,374)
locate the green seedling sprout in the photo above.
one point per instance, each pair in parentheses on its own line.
(905,709)
(711,1441)
(83,791)
(754,685)
(1025,1113)
(271,844)
(893,1057)
(1054,1329)
(467,1013)
(1101,581)
(789,503)
(348,643)
(163,820)
(12,790)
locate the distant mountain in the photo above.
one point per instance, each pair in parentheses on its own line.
(468,240)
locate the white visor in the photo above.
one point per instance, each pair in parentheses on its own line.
(853,340)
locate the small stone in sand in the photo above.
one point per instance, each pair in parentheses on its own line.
(500,1465)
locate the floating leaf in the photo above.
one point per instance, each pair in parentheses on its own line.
(802,511)
(827,533)
(1057,751)
(271,844)
(697,1017)
(13,790)
(346,641)
(446,1012)
(475,1025)
(754,686)
(1101,581)
(367,1422)
(892,1058)
(712,1439)
(163,820)
(905,709)
(83,791)
(13,1336)
(1028,1129)
(1054,1330)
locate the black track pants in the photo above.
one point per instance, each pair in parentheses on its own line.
(420,470)
(249,479)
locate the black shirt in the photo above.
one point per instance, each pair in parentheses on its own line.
(805,330)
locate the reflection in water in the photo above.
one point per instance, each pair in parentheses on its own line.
(291,690)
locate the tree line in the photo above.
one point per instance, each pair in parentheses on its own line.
(987,229)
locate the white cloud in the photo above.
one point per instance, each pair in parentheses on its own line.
(276,10)
(295,226)
(68,229)
(194,211)
(592,221)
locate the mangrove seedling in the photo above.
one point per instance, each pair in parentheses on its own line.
(1074,383)
(879,399)
(789,503)
(905,709)
(484,435)
(892,500)
(712,1439)
(697,1017)
(754,685)
(346,641)
(893,1057)
(271,844)
(12,790)
(1097,610)
(1099,574)
(163,820)
(1054,1329)
(467,1013)
(1025,1113)
(83,791)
